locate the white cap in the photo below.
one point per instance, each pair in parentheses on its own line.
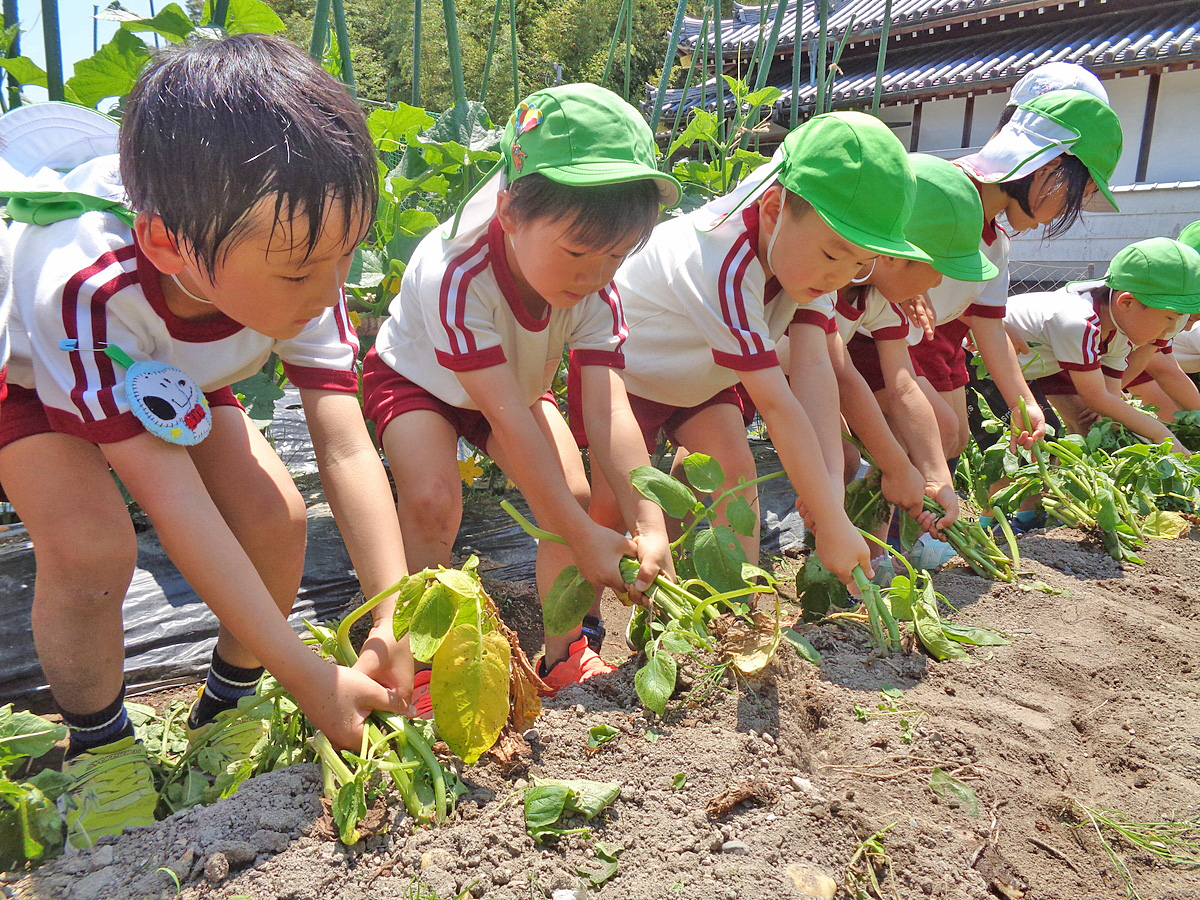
(55,136)
(1027,141)
(1056,76)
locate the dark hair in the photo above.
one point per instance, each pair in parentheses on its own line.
(213,127)
(796,205)
(603,215)
(1071,172)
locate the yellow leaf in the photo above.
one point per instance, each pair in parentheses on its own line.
(469,689)
(1166,525)
(469,470)
(355,320)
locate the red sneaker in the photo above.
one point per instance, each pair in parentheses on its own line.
(582,664)
(421,698)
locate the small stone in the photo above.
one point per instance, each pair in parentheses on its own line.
(803,785)
(216,868)
(568,894)
(811,882)
(102,857)
(437,858)
(239,853)
(715,843)
(735,847)
(99,885)
(531,735)
(501,876)
(579,710)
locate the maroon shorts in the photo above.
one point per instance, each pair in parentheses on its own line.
(1058,383)
(1140,379)
(388,394)
(864,354)
(943,359)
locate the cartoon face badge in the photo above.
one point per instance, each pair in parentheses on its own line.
(168,403)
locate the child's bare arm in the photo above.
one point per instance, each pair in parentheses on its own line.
(993,344)
(162,479)
(916,422)
(815,385)
(902,483)
(1106,400)
(358,492)
(537,472)
(618,448)
(840,546)
(1164,368)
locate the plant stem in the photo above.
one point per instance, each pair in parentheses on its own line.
(346,654)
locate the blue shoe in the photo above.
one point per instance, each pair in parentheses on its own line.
(928,553)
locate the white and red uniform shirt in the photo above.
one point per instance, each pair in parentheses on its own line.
(83,280)
(1063,331)
(953,299)
(5,303)
(1186,347)
(459,310)
(869,313)
(701,309)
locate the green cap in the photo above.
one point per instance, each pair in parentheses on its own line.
(1099,143)
(1190,236)
(582,135)
(1160,272)
(856,175)
(947,222)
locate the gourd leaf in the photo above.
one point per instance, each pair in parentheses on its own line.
(719,558)
(669,493)
(111,71)
(258,394)
(741,516)
(171,21)
(247,17)
(703,472)
(432,620)
(469,689)
(567,603)
(655,681)
(408,598)
(390,127)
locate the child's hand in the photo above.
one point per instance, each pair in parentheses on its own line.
(1019,344)
(386,660)
(920,312)
(340,703)
(1030,428)
(654,553)
(945,497)
(905,488)
(841,548)
(598,555)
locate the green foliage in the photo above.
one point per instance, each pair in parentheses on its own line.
(548,800)
(30,823)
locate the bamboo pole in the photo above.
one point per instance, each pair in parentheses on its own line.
(343,39)
(456,73)
(665,76)
(320,33)
(416,79)
(487,64)
(53,42)
(883,39)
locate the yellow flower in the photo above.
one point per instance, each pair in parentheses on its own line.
(355,320)
(469,470)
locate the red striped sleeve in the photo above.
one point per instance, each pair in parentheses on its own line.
(985,312)
(807,316)
(452,300)
(614,358)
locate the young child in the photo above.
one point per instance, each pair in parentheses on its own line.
(1074,342)
(474,339)
(946,221)
(712,292)
(1050,154)
(253,177)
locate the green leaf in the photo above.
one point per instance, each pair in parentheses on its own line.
(598,735)
(655,681)
(971,634)
(679,782)
(639,628)
(408,598)
(24,70)
(349,808)
(703,472)
(702,127)
(669,493)
(544,806)
(900,597)
(111,71)
(366,269)
(764,96)
(258,394)
(469,689)
(929,627)
(171,21)
(568,601)
(806,650)
(471,128)
(22,734)
(247,17)
(910,530)
(719,557)
(751,573)
(741,515)
(431,621)
(590,798)
(817,589)
(390,127)
(950,788)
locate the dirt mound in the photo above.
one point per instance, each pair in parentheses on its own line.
(972,769)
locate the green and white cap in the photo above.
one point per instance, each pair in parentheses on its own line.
(1160,272)
(1056,76)
(580,135)
(947,221)
(1044,128)
(1190,235)
(855,174)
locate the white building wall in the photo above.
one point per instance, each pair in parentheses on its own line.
(1175,144)
(899,118)
(1127,96)
(942,124)
(986,116)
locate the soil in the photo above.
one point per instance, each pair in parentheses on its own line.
(1094,702)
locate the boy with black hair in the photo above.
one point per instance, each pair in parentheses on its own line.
(253,177)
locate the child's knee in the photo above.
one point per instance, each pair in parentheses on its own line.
(73,568)
(276,517)
(432,510)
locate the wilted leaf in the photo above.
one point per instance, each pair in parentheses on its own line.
(1166,525)
(759,791)
(950,788)
(806,650)
(757,650)
(24,734)
(469,689)
(971,634)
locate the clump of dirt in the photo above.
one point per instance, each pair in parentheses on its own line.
(784,777)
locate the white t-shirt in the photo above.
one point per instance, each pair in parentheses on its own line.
(953,299)
(5,300)
(1062,329)
(1186,348)
(870,313)
(701,309)
(84,280)
(459,310)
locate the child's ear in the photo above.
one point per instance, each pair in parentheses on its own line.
(504,211)
(770,208)
(158,245)
(1126,300)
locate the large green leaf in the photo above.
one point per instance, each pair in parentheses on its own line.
(929,627)
(470,127)
(111,71)
(247,17)
(703,472)
(390,127)
(567,603)
(24,70)
(669,493)
(171,21)
(408,598)
(469,689)
(431,621)
(719,556)
(258,394)
(741,515)
(22,734)
(366,269)
(655,681)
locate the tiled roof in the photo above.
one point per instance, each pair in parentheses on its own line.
(926,67)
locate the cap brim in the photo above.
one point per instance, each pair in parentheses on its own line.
(589,175)
(975,267)
(55,136)
(1180,303)
(873,242)
(1102,200)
